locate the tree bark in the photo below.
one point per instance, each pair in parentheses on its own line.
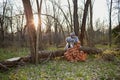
(39,32)
(71,20)
(91,34)
(31,29)
(75,15)
(84,21)
(110,24)
(11,24)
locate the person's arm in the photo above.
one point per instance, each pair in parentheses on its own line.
(77,39)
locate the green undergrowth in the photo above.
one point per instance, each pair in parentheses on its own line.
(94,68)
(109,53)
(6,53)
(60,69)
(10,52)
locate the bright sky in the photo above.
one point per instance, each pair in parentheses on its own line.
(100,9)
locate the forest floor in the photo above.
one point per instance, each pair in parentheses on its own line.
(96,67)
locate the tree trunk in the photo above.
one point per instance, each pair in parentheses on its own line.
(110,25)
(84,21)
(2,35)
(12,36)
(91,34)
(30,28)
(39,32)
(75,15)
(71,20)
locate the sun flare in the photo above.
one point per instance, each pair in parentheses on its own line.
(35,21)
(43,27)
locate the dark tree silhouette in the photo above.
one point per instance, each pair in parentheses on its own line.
(75,18)
(84,21)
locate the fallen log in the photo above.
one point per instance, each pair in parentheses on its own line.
(3,67)
(42,55)
(13,62)
(58,53)
(90,50)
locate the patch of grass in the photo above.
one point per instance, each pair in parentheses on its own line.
(105,46)
(60,69)
(6,53)
(64,70)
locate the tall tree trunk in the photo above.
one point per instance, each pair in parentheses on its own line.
(11,24)
(39,32)
(71,20)
(91,26)
(75,17)
(31,29)
(110,24)
(84,21)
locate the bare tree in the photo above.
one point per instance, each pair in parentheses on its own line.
(110,23)
(39,32)
(84,21)
(65,15)
(71,20)
(75,18)
(2,22)
(31,29)
(91,31)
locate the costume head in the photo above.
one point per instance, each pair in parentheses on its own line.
(72,34)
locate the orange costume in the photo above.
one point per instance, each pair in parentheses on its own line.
(75,54)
